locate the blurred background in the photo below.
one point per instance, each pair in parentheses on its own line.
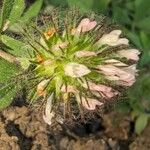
(134,17)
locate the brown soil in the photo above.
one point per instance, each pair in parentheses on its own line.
(22,128)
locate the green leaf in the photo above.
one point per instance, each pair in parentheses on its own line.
(18,48)
(7,95)
(5,12)
(32,11)
(7,70)
(141,123)
(17,10)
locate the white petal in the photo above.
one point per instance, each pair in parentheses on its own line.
(116,32)
(76,70)
(122,41)
(48,110)
(108,39)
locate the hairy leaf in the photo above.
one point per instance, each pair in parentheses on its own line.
(5,12)
(7,95)
(32,11)
(18,48)
(7,70)
(17,10)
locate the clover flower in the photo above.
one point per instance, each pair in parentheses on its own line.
(79,63)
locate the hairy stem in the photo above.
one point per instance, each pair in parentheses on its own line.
(10,58)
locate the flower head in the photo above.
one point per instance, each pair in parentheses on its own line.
(73,67)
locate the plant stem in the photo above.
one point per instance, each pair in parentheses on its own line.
(10,58)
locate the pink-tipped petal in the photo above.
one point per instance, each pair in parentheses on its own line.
(121,75)
(106,92)
(86,25)
(130,54)
(90,103)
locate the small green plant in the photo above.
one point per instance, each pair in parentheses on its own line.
(13,15)
(72,62)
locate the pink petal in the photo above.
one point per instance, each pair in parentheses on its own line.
(125,74)
(106,92)
(86,25)
(94,87)
(90,104)
(131,54)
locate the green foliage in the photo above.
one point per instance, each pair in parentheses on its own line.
(7,70)
(141,123)
(5,12)
(17,47)
(32,11)
(140,102)
(12,14)
(17,10)
(6,100)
